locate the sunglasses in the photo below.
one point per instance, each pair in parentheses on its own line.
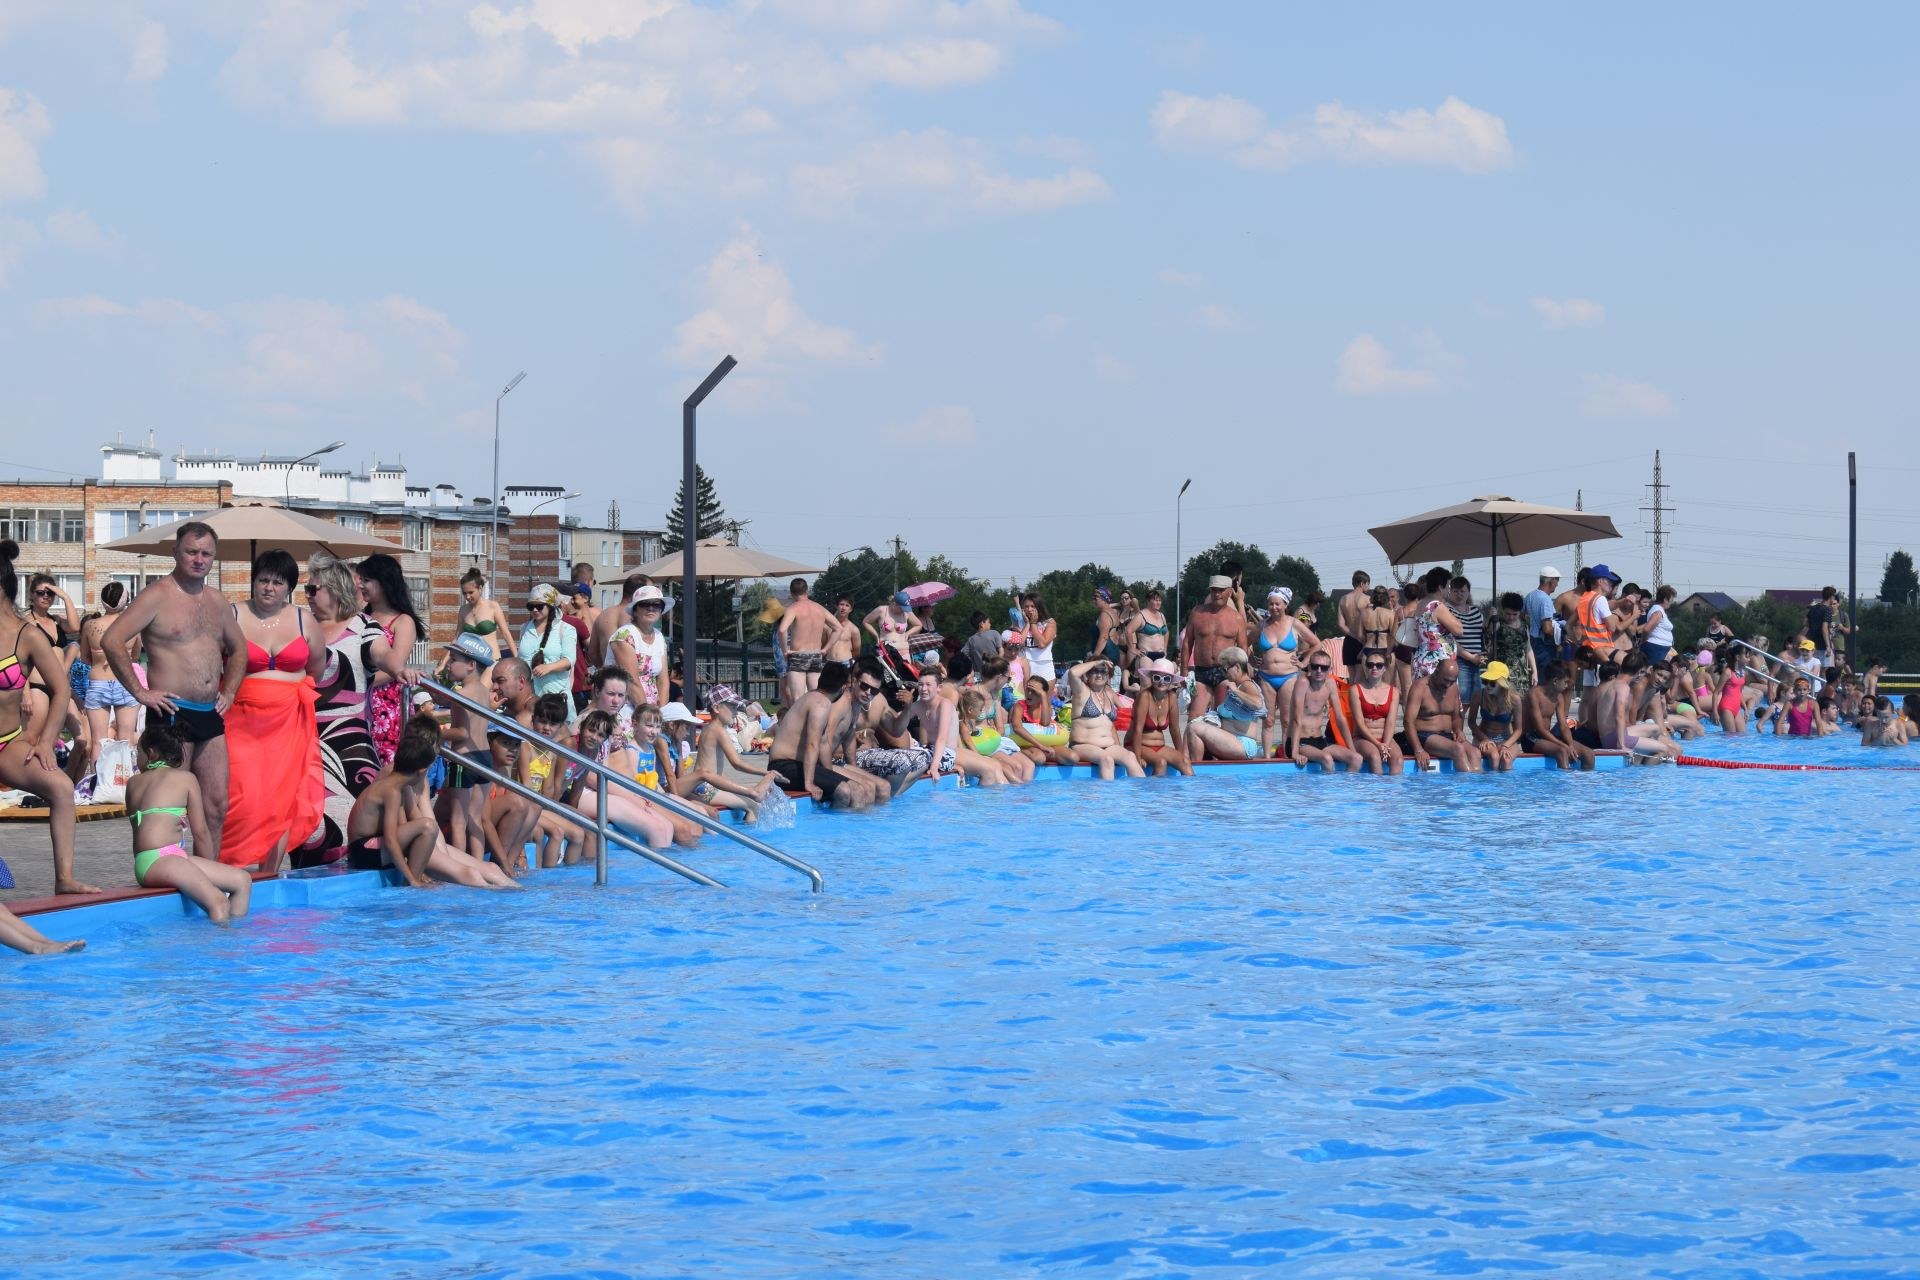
(1321,667)
(536,605)
(868,688)
(1166,679)
(1373,666)
(43,594)
(650,604)
(310,590)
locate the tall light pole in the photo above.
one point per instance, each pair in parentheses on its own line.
(690,533)
(493,532)
(287,495)
(1176,558)
(545,502)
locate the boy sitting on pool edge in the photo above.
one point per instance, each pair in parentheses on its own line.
(392,821)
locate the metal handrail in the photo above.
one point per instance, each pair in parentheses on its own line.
(1818,681)
(601,827)
(673,804)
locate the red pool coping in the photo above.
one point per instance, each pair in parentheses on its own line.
(68,901)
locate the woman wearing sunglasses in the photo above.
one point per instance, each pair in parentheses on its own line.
(547,644)
(1155,711)
(1374,702)
(1091,737)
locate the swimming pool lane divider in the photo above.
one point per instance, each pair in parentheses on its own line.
(672,804)
(1797,768)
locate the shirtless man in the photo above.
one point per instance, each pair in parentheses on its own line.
(1309,719)
(1613,715)
(844,646)
(1352,618)
(1546,723)
(1214,625)
(1435,722)
(806,630)
(892,717)
(609,620)
(392,821)
(196,659)
(800,754)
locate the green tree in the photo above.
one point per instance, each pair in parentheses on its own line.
(970,595)
(712,600)
(1069,597)
(709,516)
(1257,574)
(865,576)
(1899,584)
(753,597)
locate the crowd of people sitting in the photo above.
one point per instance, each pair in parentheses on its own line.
(276,733)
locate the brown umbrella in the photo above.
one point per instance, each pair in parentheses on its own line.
(1491,526)
(245,532)
(718,558)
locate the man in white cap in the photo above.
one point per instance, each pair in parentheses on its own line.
(1542,631)
(1214,626)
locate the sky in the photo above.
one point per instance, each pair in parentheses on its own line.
(999,276)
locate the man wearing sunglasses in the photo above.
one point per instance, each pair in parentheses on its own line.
(1310,720)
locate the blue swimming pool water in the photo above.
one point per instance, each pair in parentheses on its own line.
(1661,1022)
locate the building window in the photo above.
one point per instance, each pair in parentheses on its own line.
(413,535)
(359,524)
(422,594)
(566,551)
(43,524)
(606,553)
(76,588)
(473,540)
(121,524)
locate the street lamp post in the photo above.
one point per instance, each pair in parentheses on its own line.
(1176,556)
(287,494)
(493,531)
(690,531)
(544,502)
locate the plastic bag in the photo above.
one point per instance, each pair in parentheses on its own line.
(112,772)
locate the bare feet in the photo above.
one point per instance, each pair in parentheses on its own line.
(48,947)
(74,886)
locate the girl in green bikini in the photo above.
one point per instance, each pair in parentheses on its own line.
(163,800)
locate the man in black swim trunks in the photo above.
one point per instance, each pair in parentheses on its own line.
(801,754)
(196,659)
(1215,625)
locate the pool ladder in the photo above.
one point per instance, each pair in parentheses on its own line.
(604,776)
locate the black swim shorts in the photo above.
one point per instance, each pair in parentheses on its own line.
(196,722)
(788,771)
(1212,677)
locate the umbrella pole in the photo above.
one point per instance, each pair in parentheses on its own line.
(1493,553)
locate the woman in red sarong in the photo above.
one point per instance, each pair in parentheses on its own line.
(275,786)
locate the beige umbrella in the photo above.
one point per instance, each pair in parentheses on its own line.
(245,532)
(1490,526)
(718,558)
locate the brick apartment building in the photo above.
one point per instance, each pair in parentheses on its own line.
(60,525)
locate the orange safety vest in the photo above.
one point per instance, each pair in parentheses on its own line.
(1593,632)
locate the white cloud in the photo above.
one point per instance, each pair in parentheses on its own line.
(927,64)
(938,174)
(1366,367)
(1181,279)
(1453,135)
(1608,395)
(1111,368)
(947,424)
(1568,313)
(572,24)
(750,313)
(75,229)
(24,124)
(1217,318)
(147,58)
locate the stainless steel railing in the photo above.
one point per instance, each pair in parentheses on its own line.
(1817,682)
(604,776)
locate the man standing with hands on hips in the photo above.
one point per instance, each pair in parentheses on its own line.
(196,659)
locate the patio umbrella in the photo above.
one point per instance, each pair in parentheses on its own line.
(718,558)
(929,593)
(1489,526)
(245,532)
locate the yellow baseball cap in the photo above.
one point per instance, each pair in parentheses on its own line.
(1494,672)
